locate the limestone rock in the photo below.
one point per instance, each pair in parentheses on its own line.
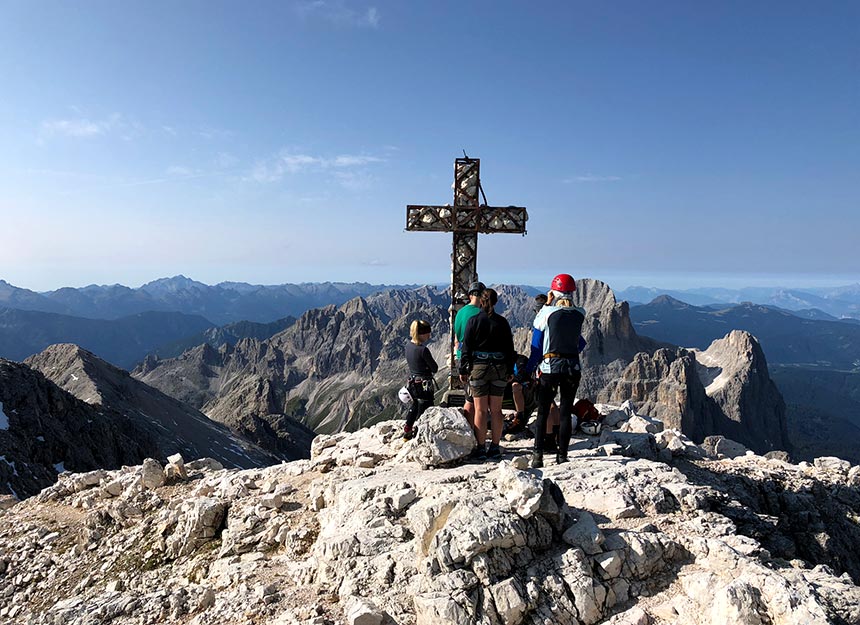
(444,437)
(584,533)
(522,490)
(613,539)
(751,409)
(151,474)
(830,463)
(722,447)
(363,612)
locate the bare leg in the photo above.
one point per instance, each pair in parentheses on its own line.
(554,418)
(497,420)
(480,420)
(469,413)
(519,399)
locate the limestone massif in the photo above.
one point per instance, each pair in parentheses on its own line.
(338,368)
(639,528)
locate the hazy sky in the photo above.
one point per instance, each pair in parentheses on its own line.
(661,143)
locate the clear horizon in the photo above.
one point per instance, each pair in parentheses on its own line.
(615,281)
(671,145)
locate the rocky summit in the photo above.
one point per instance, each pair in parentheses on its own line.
(640,527)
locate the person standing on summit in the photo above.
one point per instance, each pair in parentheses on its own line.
(422,367)
(487,364)
(556,343)
(463,315)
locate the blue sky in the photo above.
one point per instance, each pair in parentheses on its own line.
(667,143)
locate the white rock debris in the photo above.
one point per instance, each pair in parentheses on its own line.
(640,527)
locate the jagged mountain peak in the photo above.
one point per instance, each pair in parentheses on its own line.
(47,430)
(735,374)
(355,306)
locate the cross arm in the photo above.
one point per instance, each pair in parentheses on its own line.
(477,219)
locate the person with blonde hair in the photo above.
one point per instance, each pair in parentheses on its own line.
(555,346)
(487,364)
(422,366)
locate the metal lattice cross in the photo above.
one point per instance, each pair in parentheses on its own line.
(466,218)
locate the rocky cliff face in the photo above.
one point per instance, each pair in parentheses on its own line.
(666,386)
(735,374)
(364,532)
(44,431)
(174,426)
(724,390)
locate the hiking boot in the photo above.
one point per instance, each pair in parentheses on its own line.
(409,432)
(494,451)
(480,454)
(537,460)
(560,458)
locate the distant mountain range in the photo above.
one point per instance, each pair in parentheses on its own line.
(221,304)
(122,342)
(785,337)
(838,302)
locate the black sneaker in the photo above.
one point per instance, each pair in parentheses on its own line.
(494,451)
(480,453)
(537,460)
(560,458)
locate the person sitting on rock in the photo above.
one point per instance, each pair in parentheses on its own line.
(487,364)
(555,346)
(422,366)
(522,391)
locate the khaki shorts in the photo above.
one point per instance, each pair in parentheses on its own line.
(488,378)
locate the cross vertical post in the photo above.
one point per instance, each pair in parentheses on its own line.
(465,219)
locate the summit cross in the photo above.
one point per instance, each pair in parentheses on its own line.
(466,218)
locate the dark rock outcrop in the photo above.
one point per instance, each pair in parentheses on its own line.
(45,430)
(174,426)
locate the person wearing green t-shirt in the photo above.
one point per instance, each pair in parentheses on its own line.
(463,315)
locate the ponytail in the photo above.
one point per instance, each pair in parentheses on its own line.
(417,328)
(489,298)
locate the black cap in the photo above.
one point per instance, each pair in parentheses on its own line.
(476,287)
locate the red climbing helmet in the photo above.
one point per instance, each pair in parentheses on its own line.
(563,283)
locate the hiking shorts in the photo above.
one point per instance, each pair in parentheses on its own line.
(488,378)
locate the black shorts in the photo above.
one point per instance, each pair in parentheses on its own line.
(488,378)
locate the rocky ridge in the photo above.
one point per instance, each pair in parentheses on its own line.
(640,527)
(174,426)
(44,431)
